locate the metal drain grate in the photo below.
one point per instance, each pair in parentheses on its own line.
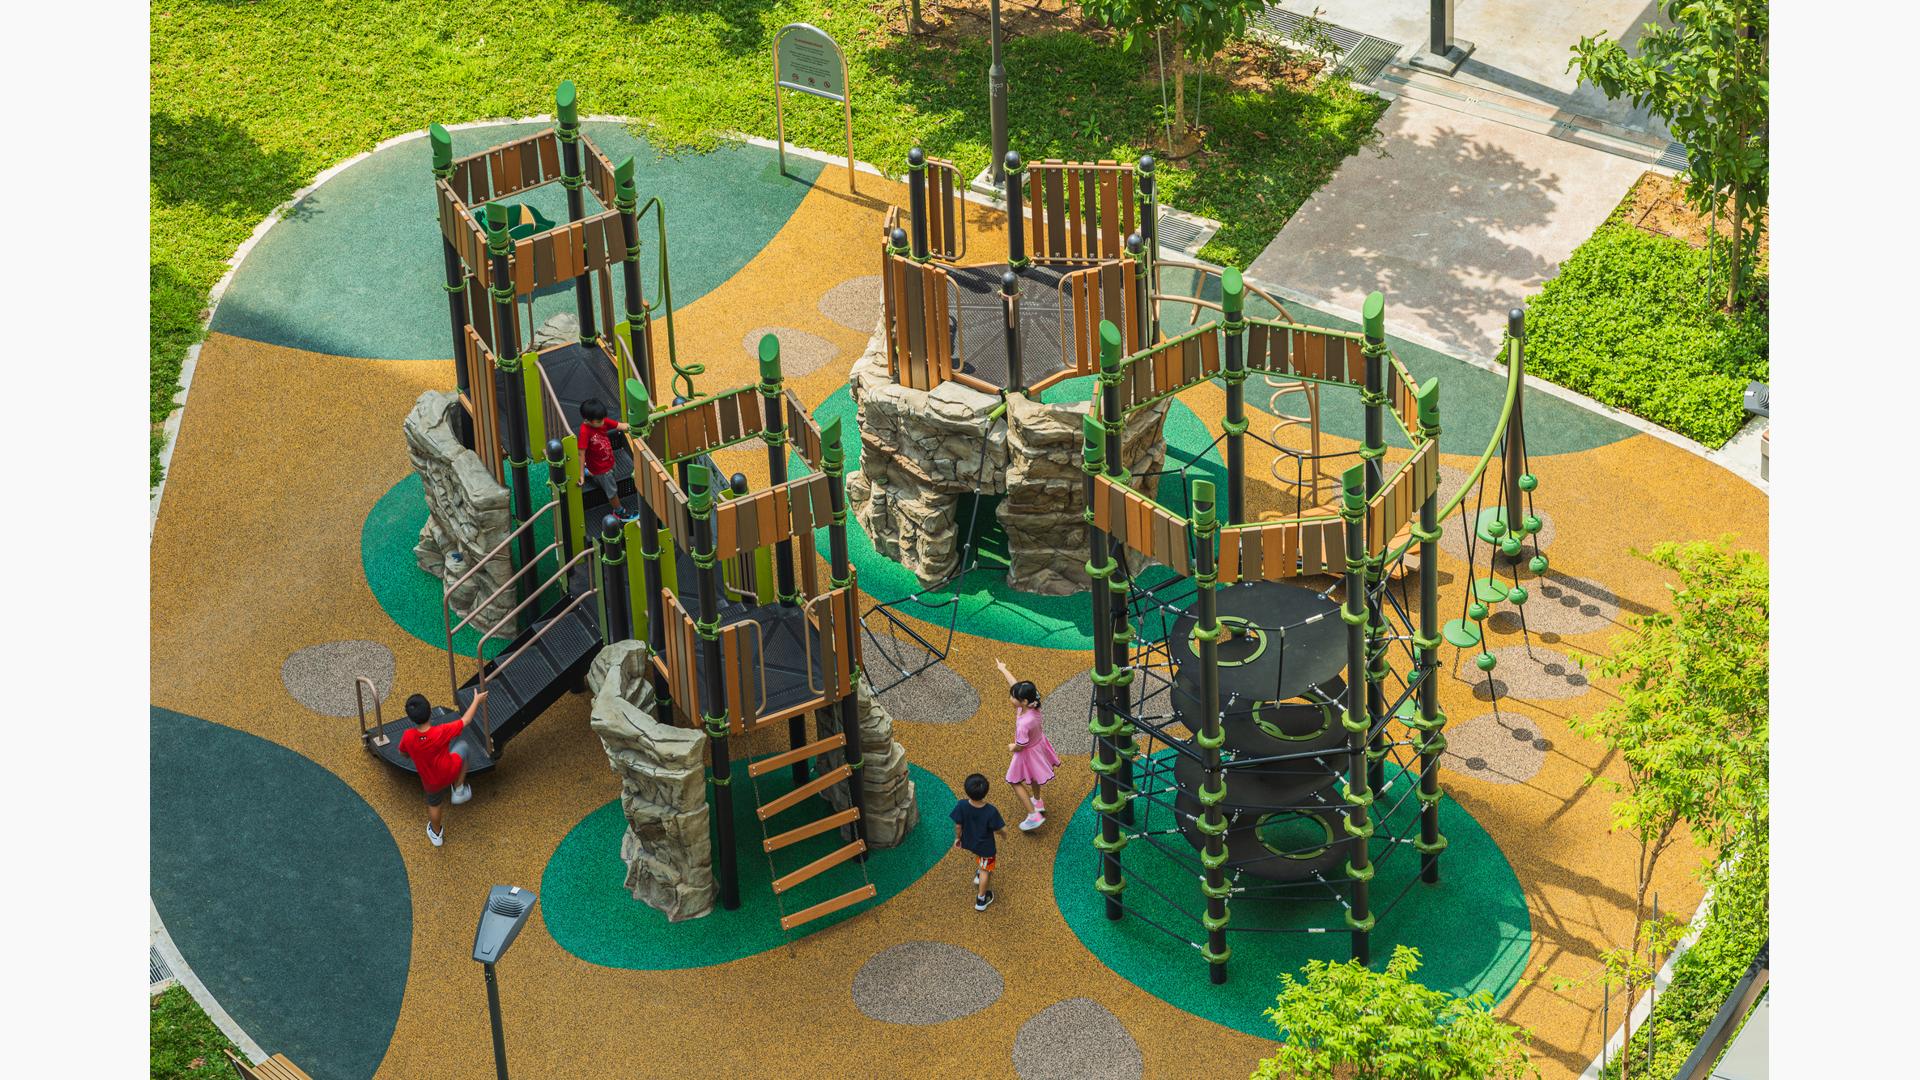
(1362,56)
(1178,232)
(1673,157)
(157,968)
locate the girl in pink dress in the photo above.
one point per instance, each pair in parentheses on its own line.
(1033,756)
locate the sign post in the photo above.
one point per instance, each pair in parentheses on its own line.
(807,60)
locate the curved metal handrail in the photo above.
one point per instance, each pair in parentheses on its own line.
(369,739)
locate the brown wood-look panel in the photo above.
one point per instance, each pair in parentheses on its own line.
(1056,227)
(549,152)
(1112,241)
(913,315)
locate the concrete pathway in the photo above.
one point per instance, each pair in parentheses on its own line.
(1461,219)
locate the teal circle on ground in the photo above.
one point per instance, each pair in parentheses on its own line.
(355,269)
(989,607)
(588,910)
(410,596)
(283,889)
(1472,929)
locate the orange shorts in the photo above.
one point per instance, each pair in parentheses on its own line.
(987,863)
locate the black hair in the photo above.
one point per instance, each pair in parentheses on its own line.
(592,409)
(418,709)
(975,787)
(1025,693)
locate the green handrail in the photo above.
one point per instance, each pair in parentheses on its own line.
(680,374)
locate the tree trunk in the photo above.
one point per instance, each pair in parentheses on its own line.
(1179,94)
(915,25)
(1739,247)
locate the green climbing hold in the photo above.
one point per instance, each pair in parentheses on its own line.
(1489,590)
(1510,545)
(1484,661)
(1537,564)
(1497,528)
(1517,595)
(1476,611)
(1530,523)
(1528,481)
(1462,633)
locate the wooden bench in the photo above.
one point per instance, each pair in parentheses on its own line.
(276,1067)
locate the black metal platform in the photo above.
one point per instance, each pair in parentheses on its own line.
(1247,851)
(1287,640)
(516,696)
(577,373)
(981,314)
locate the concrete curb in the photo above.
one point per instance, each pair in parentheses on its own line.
(183,974)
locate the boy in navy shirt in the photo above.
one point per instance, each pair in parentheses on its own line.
(975,824)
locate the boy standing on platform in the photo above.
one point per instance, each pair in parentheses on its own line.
(596,452)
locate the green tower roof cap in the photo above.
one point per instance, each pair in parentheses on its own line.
(1233,291)
(769,357)
(566,103)
(1373,315)
(442,143)
(1109,346)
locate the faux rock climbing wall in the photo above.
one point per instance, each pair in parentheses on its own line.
(468,511)
(922,450)
(890,811)
(663,794)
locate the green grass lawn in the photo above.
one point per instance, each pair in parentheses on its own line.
(1634,320)
(183,1044)
(250,101)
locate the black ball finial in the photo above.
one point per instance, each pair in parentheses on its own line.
(1009,283)
(1517,323)
(610,526)
(1013,161)
(1135,242)
(556,452)
(1146,163)
(916,157)
(898,238)
(739,483)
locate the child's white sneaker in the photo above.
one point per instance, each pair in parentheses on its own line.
(462,793)
(437,838)
(1033,821)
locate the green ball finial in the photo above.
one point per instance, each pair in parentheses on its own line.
(1530,523)
(1518,594)
(1510,546)
(1485,661)
(1528,481)
(1476,611)
(1537,564)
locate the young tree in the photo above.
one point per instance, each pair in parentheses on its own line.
(1689,723)
(1196,29)
(1706,76)
(1347,1021)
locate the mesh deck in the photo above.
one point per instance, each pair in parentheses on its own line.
(982,349)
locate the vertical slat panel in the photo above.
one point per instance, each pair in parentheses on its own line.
(1056,228)
(1111,241)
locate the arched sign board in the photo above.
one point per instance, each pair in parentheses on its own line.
(806,60)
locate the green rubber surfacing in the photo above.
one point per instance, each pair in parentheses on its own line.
(1472,929)
(588,910)
(355,269)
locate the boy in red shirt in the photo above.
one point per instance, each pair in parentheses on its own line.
(596,452)
(440,766)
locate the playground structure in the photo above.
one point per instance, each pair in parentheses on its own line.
(1259,733)
(745,630)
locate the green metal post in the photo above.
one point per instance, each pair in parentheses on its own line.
(833,463)
(1108,799)
(1233,302)
(509,388)
(1211,737)
(1119,585)
(773,415)
(1358,791)
(1373,398)
(566,128)
(1429,738)
(626,200)
(700,504)
(456,286)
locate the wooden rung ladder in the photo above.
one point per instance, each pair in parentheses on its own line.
(812,787)
(812,829)
(819,866)
(799,753)
(828,907)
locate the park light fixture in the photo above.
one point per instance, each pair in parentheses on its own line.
(507,909)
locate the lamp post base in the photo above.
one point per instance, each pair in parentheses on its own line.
(1442,63)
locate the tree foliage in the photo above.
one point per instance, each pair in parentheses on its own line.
(1706,76)
(1195,30)
(1348,1021)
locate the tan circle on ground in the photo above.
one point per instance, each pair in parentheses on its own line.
(926,982)
(1503,748)
(1543,676)
(1562,605)
(935,695)
(801,353)
(1075,1038)
(854,303)
(321,677)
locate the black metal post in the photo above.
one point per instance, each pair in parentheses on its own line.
(1359,791)
(917,201)
(1373,398)
(613,581)
(997,94)
(1108,800)
(1233,301)
(456,286)
(773,416)
(1212,823)
(557,486)
(626,198)
(509,383)
(566,129)
(833,463)
(1016,361)
(1443,53)
(493,1017)
(656,603)
(713,711)
(1429,739)
(1112,423)
(1150,239)
(1142,289)
(1017,260)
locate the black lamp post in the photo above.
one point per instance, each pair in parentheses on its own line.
(997,97)
(1443,53)
(507,910)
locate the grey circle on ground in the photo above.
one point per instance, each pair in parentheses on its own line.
(1561,605)
(1453,539)
(935,695)
(1065,713)
(1076,1038)
(801,353)
(925,982)
(321,677)
(1499,748)
(1545,675)
(854,303)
